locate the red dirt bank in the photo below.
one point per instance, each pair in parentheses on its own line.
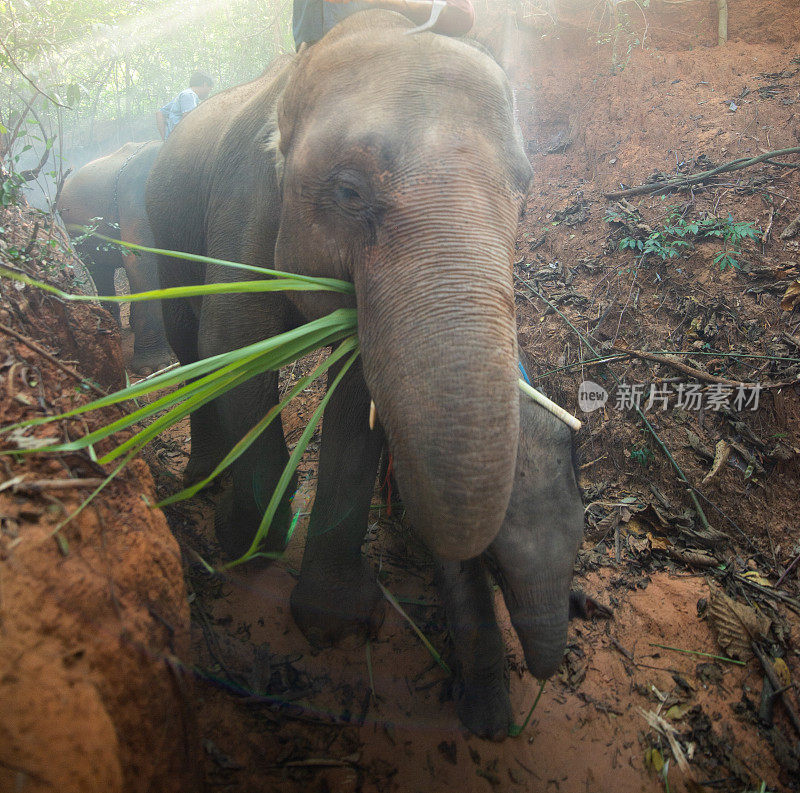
(90,702)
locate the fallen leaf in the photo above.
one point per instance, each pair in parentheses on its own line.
(658,543)
(698,446)
(756,578)
(792,296)
(677,712)
(665,729)
(635,527)
(782,671)
(723,451)
(654,760)
(639,547)
(735,624)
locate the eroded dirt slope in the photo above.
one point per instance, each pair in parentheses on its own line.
(93,618)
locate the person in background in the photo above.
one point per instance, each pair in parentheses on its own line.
(311,19)
(200,85)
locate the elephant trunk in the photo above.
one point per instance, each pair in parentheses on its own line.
(539,611)
(439,348)
(533,554)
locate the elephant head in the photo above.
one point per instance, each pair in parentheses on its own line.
(403,171)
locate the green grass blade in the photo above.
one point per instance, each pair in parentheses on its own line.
(216,387)
(287,283)
(196,394)
(331,284)
(518,729)
(290,468)
(318,333)
(249,438)
(201,397)
(701,654)
(422,637)
(130,419)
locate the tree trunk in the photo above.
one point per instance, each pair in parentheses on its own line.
(722,30)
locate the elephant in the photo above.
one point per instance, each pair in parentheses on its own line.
(111,189)
(392,161)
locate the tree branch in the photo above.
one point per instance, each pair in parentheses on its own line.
(673,184)
(25,76)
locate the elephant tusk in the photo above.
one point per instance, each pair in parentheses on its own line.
(373,414)
(547,404)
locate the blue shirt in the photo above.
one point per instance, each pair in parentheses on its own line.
(175,110)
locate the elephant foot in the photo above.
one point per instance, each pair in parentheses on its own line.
(236,525)
(484,707)
(149,361)
(585,607)
(328,609)
(198,468)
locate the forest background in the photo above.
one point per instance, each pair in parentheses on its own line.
(78,78)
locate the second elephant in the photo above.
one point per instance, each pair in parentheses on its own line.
(109,193)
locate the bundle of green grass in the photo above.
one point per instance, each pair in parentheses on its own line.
(201,382)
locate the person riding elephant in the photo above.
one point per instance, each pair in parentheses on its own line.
(108,193)
(168,117)
(311,19)
(392,161)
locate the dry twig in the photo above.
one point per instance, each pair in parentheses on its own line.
(698,374)
(769,671)
(38,485)
(32,345)
(674,184)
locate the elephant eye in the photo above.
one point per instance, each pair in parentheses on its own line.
(349,190)
(348,196)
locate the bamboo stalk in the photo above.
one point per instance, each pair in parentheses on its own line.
(559,412)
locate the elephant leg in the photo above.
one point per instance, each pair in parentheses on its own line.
(103,276)
(150,349)
(482,697)
(337,593)
(180,324)
(256,472)
(229,322)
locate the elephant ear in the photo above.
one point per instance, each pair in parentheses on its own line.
(290,103)
(268,143)
(310,72)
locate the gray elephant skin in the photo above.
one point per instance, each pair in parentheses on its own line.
(393,162)
(111,189)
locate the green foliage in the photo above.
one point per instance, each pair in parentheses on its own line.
(678,235)
(620,31)
(9,189)
(92,73)
(196,384)
(642,455)
(134,55)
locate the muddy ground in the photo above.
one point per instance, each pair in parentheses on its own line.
(101,659)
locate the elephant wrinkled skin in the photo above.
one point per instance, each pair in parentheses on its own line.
(109,193)
(394,162)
